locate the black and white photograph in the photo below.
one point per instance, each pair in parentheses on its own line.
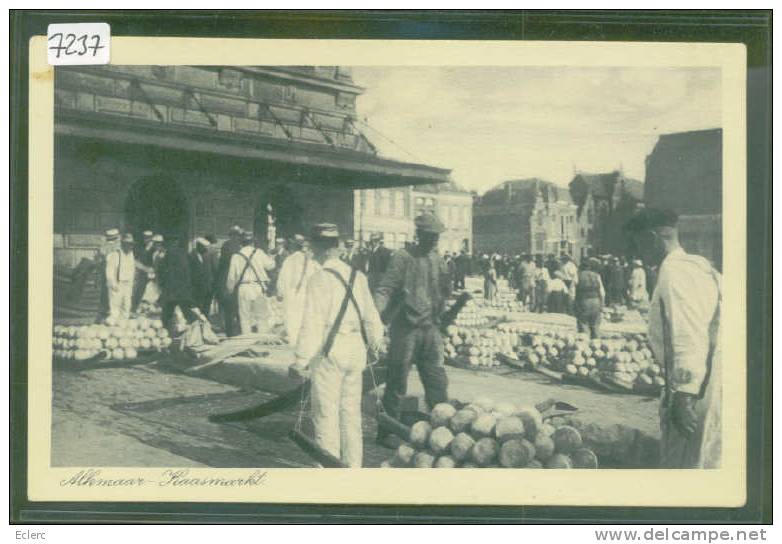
(250,260)
(259,261)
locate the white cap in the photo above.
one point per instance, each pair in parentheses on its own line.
(203,242)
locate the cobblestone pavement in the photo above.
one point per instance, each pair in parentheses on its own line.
(148,415)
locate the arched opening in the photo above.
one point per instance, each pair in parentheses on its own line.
(157,204)
(279,214)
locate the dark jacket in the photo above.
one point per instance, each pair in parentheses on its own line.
(226,252)
(414,288)
(378,263)
(201,274)
(175,283)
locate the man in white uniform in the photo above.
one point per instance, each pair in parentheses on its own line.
(570,277)
(684,323)
(247,281)
(336,350)
(296,270)
(120,274)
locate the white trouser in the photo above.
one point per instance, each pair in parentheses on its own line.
(252,307)
(293,307)
(120,299)
(336,399)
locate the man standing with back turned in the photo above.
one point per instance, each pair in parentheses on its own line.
(411,297)
(684,326)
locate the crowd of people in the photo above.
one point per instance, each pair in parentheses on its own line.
(627,282)
(338,300)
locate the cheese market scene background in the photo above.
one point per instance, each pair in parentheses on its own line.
(194,205)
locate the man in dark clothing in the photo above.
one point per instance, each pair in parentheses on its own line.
(463,265)
(228,307)
(143,254)
(202,275)
(379,258)
(411,297)
(552,264)
(590,296)
(617,282)
(175,284)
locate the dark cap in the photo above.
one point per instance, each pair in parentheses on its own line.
(324,231)
(651,218)
(428,222)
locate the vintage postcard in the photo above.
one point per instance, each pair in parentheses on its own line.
(388,272)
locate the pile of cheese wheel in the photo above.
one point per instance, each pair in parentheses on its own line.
(116,339)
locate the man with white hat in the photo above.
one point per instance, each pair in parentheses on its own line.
(339,324)
(296,270)
(201,275)
(247,282)
(120,275)
(110,242)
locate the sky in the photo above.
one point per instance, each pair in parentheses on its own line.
(491,124)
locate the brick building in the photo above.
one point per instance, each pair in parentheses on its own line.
(194,149)
(684,173)
(605,202)
(391,211)
(526,216)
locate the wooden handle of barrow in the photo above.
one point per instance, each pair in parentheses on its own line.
(391,425)
(313,450)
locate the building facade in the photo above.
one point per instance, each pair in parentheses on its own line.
(192,150)
(605,202)
(684,174)
(528,216)
(391,211)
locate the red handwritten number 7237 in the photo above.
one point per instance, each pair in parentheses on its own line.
(71,44)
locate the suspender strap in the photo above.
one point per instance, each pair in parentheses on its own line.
(248,264)
(714,325)
(303,271)
(119,263)
(332,335)
(349,293)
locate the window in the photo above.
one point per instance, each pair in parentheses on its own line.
(385,203)
(390,240)
(399,208)
(401,238)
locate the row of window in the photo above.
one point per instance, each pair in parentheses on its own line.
(392,240)
(393,203)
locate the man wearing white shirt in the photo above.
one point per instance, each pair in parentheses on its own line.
(247,281)
(296,270)
(684,327)
(334,350)
(120,275)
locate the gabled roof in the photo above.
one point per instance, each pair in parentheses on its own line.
(604,185)
(525,191)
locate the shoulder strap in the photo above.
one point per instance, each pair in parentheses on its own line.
(714,327)
(332,335)
(248,264)
(303,271)
(349,293)
(713,330)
